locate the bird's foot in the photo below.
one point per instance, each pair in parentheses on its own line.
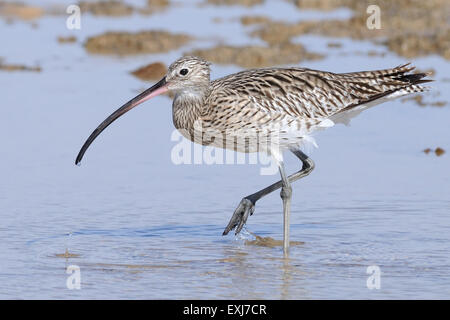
(240,216)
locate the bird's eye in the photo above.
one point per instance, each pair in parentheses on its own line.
(184,72)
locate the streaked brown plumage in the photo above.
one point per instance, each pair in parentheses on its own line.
(291,102)
(268,110)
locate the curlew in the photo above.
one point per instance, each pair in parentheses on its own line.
(275,109)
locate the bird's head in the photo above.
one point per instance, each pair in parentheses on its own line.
(186,75)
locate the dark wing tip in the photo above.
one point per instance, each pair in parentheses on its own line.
(415,78)
(404,73)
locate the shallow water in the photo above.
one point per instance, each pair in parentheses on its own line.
(139,226)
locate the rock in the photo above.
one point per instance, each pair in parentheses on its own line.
(246,3)
(70,39)
(248,20)
(152,71)
(17,67)
(106,8)
(126,43)
(20,11)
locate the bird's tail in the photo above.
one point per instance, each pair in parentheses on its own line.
(379,86)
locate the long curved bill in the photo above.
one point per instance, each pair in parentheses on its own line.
(155,90)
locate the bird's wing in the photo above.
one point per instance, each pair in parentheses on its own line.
(254,98)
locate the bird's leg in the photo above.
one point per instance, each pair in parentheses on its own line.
(286,195)
(247,205)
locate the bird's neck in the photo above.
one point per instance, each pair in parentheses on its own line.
(187,107)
